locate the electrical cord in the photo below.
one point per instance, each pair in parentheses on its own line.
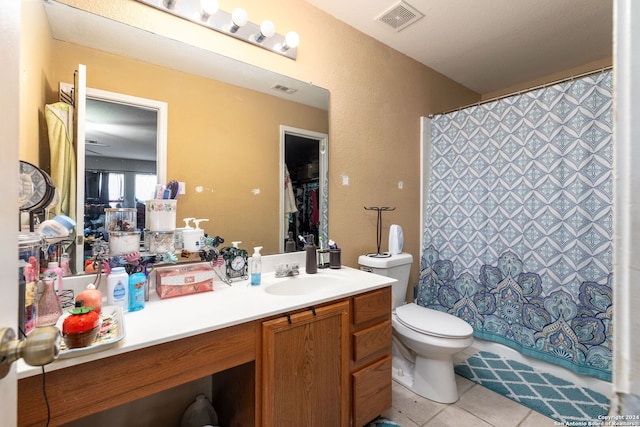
(46,399)
(44,387)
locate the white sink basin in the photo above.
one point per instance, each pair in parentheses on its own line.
(303,284)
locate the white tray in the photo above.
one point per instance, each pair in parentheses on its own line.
(111,332)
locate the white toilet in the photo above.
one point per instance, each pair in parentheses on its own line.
(424,340)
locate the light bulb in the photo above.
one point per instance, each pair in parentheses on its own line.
(291,40)
(209,7)
(267,29)
(238,19)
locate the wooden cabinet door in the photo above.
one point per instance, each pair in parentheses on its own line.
(305,368)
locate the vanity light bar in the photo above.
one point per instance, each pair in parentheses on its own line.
(233,24)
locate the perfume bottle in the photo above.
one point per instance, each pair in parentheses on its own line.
(49,307)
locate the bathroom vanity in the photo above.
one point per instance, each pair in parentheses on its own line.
(275,354)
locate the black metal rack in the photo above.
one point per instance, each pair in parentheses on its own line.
(379,209)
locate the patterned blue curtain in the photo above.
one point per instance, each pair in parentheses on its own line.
(518,231)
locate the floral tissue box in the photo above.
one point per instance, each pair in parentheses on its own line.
(185,280)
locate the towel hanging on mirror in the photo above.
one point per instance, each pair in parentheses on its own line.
(59,117)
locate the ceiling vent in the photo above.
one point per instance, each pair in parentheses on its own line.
(284,89)
(400,16)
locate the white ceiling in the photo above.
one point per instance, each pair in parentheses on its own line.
(489,45)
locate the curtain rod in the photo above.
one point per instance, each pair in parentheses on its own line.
(520,92)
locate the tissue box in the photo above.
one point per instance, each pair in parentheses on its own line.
(178,281)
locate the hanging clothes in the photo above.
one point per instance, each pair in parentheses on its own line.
(289,199)
(308,215)
(59,118)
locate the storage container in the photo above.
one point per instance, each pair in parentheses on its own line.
(120,219)
(29,252)
(161,214)
(123,242)
(159,242)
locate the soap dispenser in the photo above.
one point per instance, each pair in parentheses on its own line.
(290,244)
(197,223)
(193,239)
(256,266)
(312,257)
(179,237)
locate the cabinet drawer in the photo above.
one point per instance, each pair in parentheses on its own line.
(371,391)
(373,305)
(372,340)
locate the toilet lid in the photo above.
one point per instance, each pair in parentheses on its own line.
(432,322)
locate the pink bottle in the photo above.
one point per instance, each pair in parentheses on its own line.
(54,271)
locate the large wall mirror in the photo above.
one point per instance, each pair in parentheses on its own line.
(224,126)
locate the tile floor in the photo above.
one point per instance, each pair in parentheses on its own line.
(477,407)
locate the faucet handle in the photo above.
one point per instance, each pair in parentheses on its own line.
(281,269)
(285,269)
(295,268)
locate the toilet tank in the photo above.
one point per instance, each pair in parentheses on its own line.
(396,266)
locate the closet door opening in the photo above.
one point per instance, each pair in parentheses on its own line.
(304,195)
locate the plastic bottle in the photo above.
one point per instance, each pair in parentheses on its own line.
(65,259)
(117,285)
(49,307)
(200,413)
(312,257)
(137,285)
(53,270)
(256,266)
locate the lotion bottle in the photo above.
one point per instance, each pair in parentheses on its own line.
(256,266)
(179,242)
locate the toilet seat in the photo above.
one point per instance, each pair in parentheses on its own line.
(432,322)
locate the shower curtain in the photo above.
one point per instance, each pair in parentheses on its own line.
(518,222)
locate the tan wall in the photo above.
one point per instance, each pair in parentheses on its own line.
(221,138)
(586,68)
(377,98)
(35,54)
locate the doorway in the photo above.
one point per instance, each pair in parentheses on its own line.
(303,195)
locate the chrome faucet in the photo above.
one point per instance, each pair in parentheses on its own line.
(284,270)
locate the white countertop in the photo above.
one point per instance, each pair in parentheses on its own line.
(170,319)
